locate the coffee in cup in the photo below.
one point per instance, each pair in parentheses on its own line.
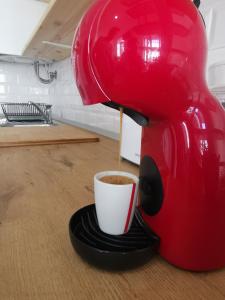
(117,179)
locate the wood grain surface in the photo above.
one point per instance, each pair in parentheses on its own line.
(40,188)
(58,27)
(34,136)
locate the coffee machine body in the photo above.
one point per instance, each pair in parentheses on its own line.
(149,57)
(183,188)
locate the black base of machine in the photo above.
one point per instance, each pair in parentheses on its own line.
(109,251)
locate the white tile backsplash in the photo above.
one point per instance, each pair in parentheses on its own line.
(18,83)
(67,103)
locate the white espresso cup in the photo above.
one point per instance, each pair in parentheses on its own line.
(115,203)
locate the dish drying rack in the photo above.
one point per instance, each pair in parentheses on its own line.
(27,112)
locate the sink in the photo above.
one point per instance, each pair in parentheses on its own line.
(29,125)
(5,123)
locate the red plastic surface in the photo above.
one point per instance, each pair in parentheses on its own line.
(149,55)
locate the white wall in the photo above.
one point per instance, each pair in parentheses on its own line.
(18,19)
(67,103)
(18,82)
(214,15)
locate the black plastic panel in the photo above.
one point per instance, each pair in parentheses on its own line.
(136,116)
(151,188)
(197,3)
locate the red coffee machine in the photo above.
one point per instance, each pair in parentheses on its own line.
(149,57)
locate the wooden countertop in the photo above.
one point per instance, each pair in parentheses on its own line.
(40,188)
(50,135)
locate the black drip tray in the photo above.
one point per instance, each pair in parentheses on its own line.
(109,251)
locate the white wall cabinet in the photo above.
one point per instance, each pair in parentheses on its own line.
(19,18)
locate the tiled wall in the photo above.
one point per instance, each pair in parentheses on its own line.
(18,83)
(67,103)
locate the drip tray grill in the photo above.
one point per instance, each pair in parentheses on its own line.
(108,251)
